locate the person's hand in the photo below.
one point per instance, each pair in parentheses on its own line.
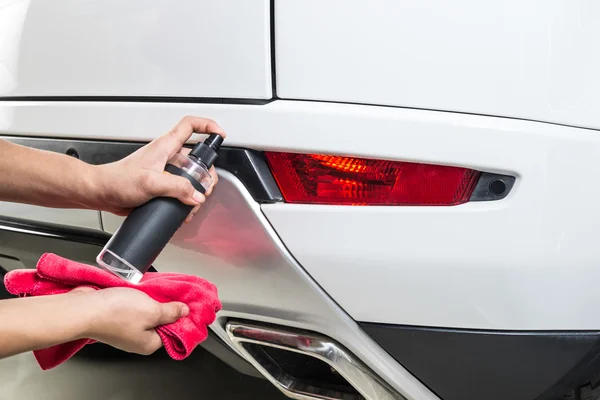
(140,177)
(125,318)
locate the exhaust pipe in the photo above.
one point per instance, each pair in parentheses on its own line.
(307,366)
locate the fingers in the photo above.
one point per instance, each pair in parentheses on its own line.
(151,343)
(171,312)
(215,179)
(180,133)
(167,185)
(188,219)
(82,289)
(167,314)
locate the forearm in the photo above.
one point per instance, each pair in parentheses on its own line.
(45,178)
(38,322)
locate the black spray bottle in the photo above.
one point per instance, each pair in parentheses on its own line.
(148,228)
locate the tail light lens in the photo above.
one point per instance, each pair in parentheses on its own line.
(327,179)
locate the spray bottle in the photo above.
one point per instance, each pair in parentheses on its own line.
(146,231)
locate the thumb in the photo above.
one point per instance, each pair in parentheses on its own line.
(175,186)
(171,312)
(83,289)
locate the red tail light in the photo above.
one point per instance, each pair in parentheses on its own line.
(324,179)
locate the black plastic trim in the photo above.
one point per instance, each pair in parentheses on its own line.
(93,152)
(248,166)
(486,188)
(495,365)
(141,99)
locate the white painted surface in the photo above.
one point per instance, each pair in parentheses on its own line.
(202,48)
(532,59)
(63,216)
(528,262)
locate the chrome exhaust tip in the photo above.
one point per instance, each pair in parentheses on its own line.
(274,352)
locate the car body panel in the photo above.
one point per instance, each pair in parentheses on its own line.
(490,265)
(527,59)
(218,49)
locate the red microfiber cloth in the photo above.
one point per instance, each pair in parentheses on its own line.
(55,275)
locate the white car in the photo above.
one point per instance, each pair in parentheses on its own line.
(406,206)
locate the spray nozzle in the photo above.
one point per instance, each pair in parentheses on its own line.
(206,152)
(214,141)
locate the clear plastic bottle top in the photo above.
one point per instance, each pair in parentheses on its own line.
(118,266)
(193,168)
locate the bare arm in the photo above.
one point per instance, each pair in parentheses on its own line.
(44,178)
(37,322)
(49,179)
(34,323)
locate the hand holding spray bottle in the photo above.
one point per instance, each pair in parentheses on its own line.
(148,228)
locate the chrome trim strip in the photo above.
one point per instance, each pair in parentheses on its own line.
(363,379)
(28,231)
(50,230)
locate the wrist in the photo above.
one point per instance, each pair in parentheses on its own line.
(95,188)
(90,311)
